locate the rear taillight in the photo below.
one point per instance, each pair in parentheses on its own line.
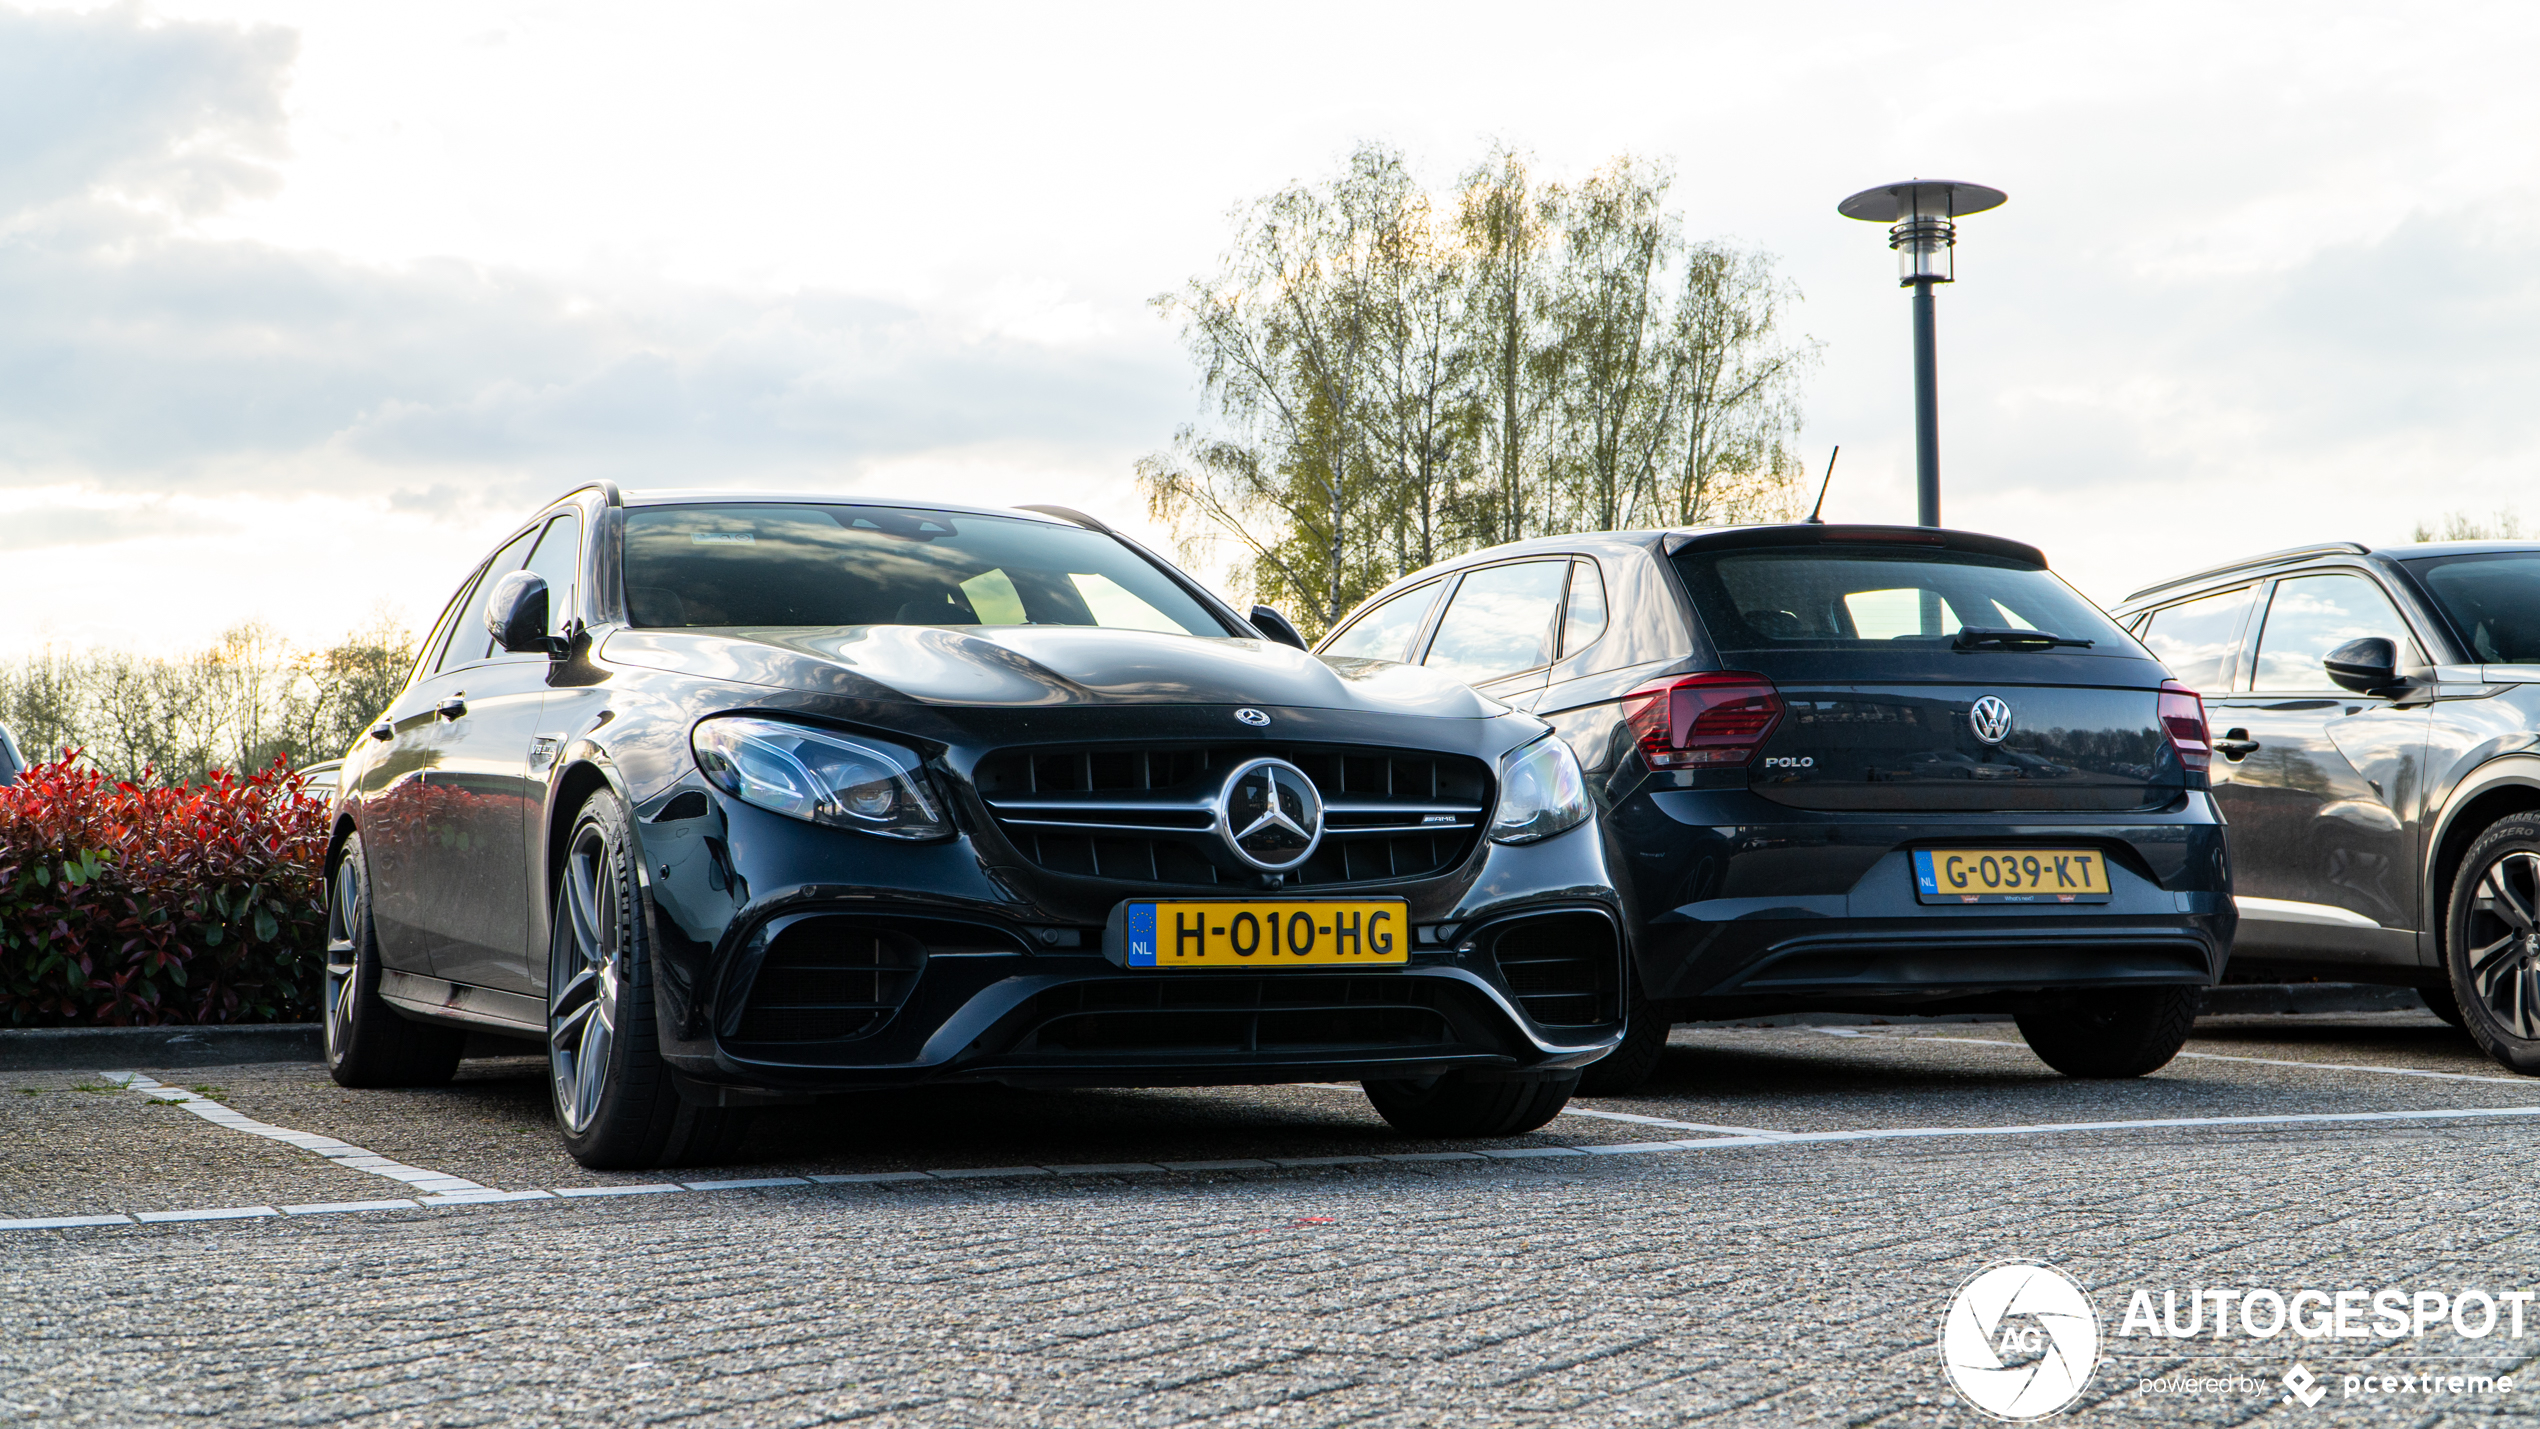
(1703,721)
(2183,720)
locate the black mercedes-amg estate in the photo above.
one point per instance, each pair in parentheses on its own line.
(1856,768)
(738,799)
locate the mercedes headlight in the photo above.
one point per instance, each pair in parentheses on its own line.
(1541,793)
(823,778)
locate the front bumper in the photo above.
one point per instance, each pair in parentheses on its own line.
(795,960)
(1752,906)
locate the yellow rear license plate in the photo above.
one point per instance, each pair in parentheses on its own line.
(1266,933)
(2010,875)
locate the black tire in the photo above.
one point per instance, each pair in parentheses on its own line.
(369,1043)
(2441,1002)
(1454,1106)
(612,1095)
(2118,1032)
(2491,941)
(1645,1028)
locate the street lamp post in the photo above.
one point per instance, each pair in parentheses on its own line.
(1924,213)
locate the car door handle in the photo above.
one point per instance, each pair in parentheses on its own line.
(2235,744)
(452,707)
(383,731)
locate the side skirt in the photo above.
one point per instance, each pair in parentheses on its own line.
(432,999)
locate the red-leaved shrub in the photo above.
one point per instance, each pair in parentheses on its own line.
(125,904)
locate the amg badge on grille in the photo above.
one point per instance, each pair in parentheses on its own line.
(1255,718)
(1990,718)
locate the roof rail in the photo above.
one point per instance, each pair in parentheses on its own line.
(605,488)
(2252,563)
(1065,513)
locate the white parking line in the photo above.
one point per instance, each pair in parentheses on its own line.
(2205,1057)
(350,1157)
(1639,1120)
(971,1173)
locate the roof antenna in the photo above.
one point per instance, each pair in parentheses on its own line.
(1813,518)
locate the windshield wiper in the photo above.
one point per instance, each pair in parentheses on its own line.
(1973,636)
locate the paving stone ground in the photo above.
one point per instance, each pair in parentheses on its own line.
(1798,1283)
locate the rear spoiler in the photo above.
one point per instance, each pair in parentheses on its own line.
(1804,533)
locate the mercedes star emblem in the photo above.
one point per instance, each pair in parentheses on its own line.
(1255,718)
(1269,815)
(1990,718)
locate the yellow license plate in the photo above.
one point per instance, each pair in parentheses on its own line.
(1267,933)
(2010,875)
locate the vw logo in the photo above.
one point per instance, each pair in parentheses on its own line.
(1990,718)
(1255,718)
(1269,814)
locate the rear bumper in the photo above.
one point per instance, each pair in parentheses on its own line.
(1819,911)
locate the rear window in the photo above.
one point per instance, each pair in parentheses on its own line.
(777,565)
(1817,598)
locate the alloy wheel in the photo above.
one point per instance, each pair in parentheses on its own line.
(2504,943)
(585,978)
(343,954)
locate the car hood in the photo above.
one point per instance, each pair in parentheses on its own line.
(1029,665)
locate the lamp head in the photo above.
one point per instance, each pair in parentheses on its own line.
(1924,213)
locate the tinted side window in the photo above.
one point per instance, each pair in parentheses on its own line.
(558,562)
(429,658)
(1499,622)
(2197,639)
(1584,619)
(2311,615)
(1385,632)
(2493,600)
(469,642)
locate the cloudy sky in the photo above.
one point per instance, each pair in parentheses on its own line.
(300,303)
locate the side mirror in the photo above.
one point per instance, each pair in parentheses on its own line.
(516,615)
(1274,625)
(2366,666)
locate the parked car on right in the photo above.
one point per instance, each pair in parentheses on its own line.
(12,763)
(2377,711)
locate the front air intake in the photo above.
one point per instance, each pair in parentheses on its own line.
(1564,969)
(826,978)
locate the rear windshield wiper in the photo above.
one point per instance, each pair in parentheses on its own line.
(1973,636)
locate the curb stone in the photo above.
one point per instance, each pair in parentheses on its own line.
(56,1049)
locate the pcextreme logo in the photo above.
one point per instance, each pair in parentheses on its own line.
(2019,1340)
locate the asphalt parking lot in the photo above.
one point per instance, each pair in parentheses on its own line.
(1772,1229)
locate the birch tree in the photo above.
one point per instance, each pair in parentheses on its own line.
(1392,379)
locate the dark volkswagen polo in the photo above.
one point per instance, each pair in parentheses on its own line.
(732,800)
(1857,768)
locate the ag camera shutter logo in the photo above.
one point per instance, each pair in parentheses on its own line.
(2020,1341)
